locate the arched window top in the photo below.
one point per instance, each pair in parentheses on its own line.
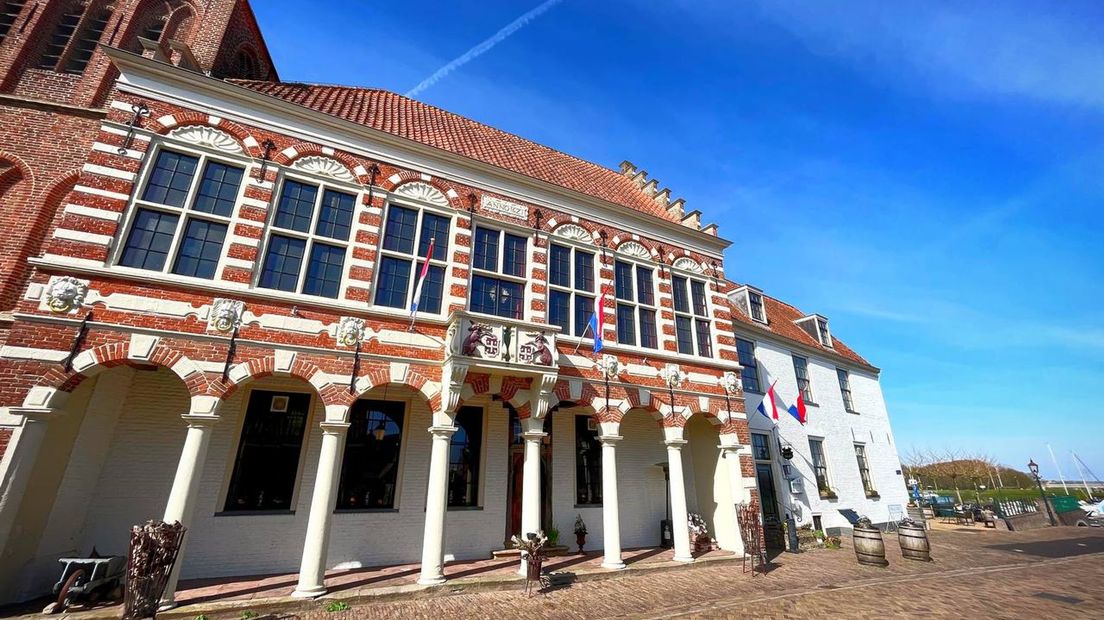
(248,66)
(88,36)
(68,20)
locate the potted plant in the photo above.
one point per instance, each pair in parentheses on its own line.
(532,549)
(699,532)
(580,532)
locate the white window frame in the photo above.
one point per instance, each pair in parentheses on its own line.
(572,292)
(758,364)
(824,335)
(675,313)
(638,305)
(810,395)
(310,237)
(413,257)
(872,491)
(184,213)
(824,457)
(502,229)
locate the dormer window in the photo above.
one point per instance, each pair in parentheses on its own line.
(823,334)
(750,301)
(755,302)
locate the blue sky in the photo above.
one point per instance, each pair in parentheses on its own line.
(928,175)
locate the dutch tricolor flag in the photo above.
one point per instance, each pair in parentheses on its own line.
(597,319)
(421,281)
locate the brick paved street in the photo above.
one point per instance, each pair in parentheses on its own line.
(969,577)
(976,572)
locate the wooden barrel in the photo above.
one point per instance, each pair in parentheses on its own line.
(914,542)
(869,548)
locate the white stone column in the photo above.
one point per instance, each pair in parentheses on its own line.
(611,520)
(312,570)
(19,463)
(185,488)
(531,486)
(433,540)
(730,453)
(680,525)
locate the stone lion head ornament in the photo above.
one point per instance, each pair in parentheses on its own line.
(350,331)
(729,382)
(65,293)
(226,315)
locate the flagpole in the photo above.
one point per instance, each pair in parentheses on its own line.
(581,336)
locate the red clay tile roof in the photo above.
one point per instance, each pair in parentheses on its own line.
(780,322)
(404,117)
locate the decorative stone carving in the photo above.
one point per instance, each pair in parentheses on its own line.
(545,395)
(673,376)
(535,350)
(324,166)
(575,233)
(632,248)
(481,342)
(203,135)
(350,331)
(226,315)
(422,192)
(505,207)
(611,366)
(729,382)
(455,374)
(688,264)
(65,293)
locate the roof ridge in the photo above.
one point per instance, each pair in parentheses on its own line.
(438,109)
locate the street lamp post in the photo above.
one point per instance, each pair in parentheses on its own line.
(1034,467)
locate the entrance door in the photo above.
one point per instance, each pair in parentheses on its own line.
(768,500)
(516,476)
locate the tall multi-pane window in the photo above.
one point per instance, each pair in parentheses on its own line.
(9,12)
(465,451)
(570,288)
(801,371)
(750,371)
(498,273)
(760,446)
(369,470)
(820,466)
(407,234)
(268,452)
(845,389)
(864,470)
(636,306)
(86,39)
(182,215)
(691,317)
(755,302)
(308,239)
(588,462)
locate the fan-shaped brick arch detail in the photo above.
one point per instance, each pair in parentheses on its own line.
(164,124)
(575,232)
(300,150)
(379,375)
(391,183)
(636,249)
(261,367)
(97,359)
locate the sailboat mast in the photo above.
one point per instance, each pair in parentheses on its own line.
(1088,493)
(1060,476)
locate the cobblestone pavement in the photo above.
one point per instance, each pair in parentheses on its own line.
(1048,573)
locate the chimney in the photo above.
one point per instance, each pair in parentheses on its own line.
(675,209)
(640,178)
(628,168)
(663,198)
(710,229)
(692,220)
(651,187)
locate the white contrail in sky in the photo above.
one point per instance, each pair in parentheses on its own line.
(483,47)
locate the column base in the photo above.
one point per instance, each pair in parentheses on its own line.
(309,592)
(685,558)
(430,581)
(167,604)
(613,565)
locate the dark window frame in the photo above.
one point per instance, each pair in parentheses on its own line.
(251,421)
(761,449)
(756,308)
(145,200)
(864,469)
(630,301)
(588,462)
(495,278)
(474,499)
(749,374)
(692,317)
(580,288)
(309,234)
(410,261)
(365,417)
(819,461)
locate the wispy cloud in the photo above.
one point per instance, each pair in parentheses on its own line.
(483,47)
(963,49)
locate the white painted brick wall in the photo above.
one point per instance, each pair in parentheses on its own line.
(840,430)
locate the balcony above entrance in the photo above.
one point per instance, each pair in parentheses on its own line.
(491,343)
